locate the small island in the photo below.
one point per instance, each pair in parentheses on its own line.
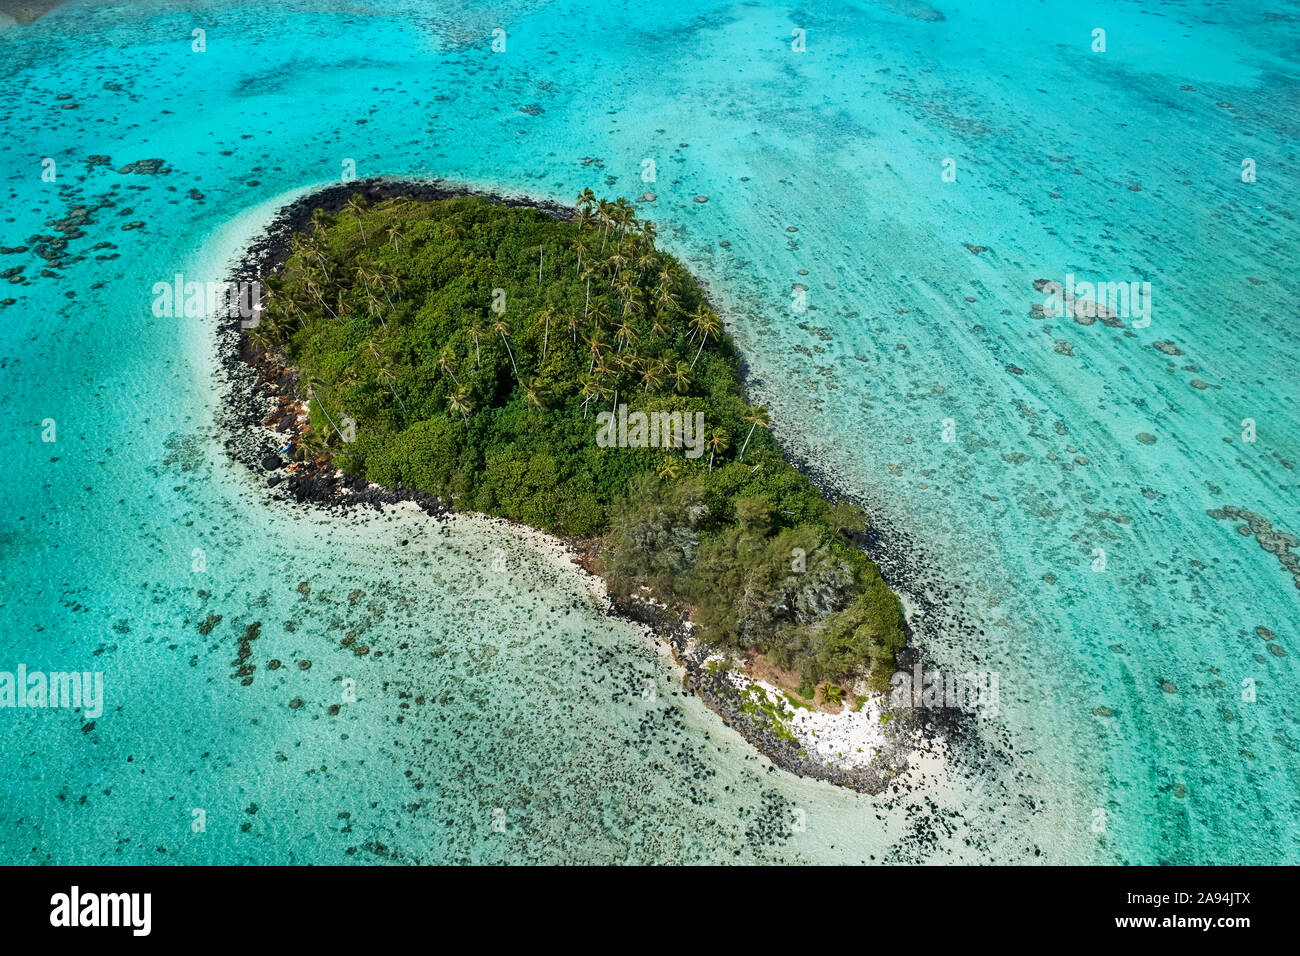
(554,368)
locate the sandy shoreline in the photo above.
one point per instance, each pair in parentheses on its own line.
(864,750)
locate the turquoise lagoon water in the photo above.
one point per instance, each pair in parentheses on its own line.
(498,714)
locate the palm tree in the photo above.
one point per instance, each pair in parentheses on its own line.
(278,323)
(625,335)
(618,261)
(580,247)
(312,387)
(757,418)
(474,333)
(632,305)
(445,363)
(592,387)
(364,276)
(546,336)
(394,237)
(668,470)
(383,285)
(628,362)
(623,289)
(388,376)
(603,210)
(666,299)
(373,307)
(585,199)
(653,374)
(657,326)
(718,442)
(260,336)
(500,326)
(605,370)
(682,377)
(315,290)
(708,326)
(265,308)
(696,319)
(298,245)
(595,345)
(310,443)
(385,374)
(623,214)
(356,207)
(574,322)
(645,260)
(598,315)
(297,310)
(459,401)
(533,394)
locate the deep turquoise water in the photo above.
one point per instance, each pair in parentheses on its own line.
(510,690)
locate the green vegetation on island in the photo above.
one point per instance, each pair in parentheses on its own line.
(498,357)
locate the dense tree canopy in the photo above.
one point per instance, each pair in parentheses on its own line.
(480,349)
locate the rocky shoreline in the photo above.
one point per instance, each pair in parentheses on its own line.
(263,415)
(720,692)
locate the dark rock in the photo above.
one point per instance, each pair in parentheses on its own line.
(146,167)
